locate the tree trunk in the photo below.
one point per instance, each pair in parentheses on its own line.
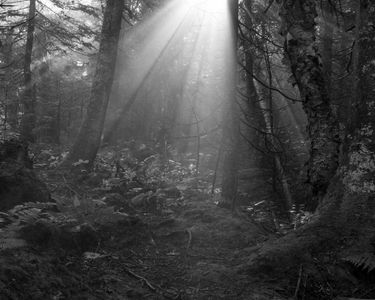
(11,100)
(268,113)
(263,120)
(231,130)
(298,27)
(88,141)
(328,32)
(28,119)
(344,219)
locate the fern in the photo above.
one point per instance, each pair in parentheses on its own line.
(364,261)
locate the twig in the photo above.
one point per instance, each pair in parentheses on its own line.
(267,86)
(150,286)
(298,283)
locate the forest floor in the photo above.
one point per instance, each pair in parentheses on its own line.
(188,253)
(120,237)
(116,238)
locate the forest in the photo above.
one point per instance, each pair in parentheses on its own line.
(187,149)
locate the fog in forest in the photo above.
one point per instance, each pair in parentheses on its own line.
(187,149)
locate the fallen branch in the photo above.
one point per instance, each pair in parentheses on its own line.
(139,277)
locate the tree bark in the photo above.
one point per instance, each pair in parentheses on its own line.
(327,35)
(298,27)
(28,101)
(88,141)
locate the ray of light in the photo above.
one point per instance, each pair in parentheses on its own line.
(199,33)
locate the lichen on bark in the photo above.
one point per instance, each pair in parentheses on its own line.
(298,28)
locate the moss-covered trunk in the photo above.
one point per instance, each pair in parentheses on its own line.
(298,27)
(88,141)
(344,220)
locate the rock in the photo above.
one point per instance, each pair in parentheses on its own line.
(18,182)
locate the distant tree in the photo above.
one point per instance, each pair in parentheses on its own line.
(88,141)
(10,82)
(231,123)
(263,108)
(32,31)
(29,97)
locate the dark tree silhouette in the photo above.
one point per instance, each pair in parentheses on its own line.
(28,101)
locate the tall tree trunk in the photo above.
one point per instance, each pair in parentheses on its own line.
(88,141)
(231,130)
(279,169)
(28,101)
(264,119)
(298,27)
(345,218)
(9,87)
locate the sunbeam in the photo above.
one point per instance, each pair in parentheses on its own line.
(198,36)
